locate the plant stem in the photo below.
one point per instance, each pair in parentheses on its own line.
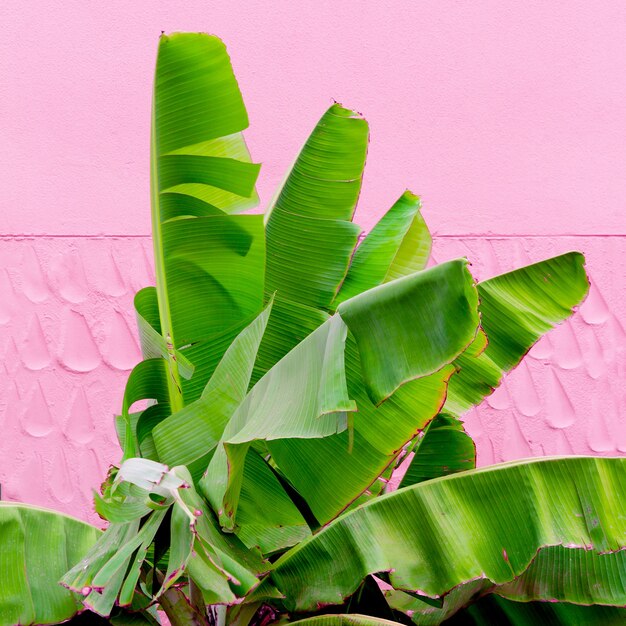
(179,611)
(173,380)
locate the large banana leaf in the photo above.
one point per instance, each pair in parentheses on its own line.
(481,524)
(400,337)
(205,259)
(343,472)
(38,547)
(556,574)
(516,309)
(310,235)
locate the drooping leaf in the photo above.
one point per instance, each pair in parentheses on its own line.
(397,246)
(495,610)
(517,308)
(303,396)
(429,319)
(391,329)
(193,432)
(439,534)
(38,546)
(330,474)
(445,448)
(556,574)
(342,472)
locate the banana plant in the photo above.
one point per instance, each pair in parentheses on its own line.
(290,370)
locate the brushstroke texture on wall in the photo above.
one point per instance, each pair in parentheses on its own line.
(508,118)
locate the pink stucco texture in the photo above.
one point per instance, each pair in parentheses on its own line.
(507,117)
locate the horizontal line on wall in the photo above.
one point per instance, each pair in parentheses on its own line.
(465,236)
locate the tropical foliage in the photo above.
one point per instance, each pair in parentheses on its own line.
(289,370)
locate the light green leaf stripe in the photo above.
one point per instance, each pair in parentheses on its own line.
(304,395)
(288,325)
(340,474)
(439,534)
(397,246)
(38,547)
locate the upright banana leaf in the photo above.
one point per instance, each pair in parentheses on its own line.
(205,259)
(310,235)
(483,524)
(397,246)
(38,547)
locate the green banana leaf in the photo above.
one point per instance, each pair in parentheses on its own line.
(556,574)
(38,547)
(397,246)
(205,258)
(310,235)
(516,309)
(340,477)
(306,395)
(481,524)
(445,448)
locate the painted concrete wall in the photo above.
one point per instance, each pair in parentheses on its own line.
(507,117)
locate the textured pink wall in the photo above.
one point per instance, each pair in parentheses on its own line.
(508,117)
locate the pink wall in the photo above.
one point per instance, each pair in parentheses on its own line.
(508,118)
